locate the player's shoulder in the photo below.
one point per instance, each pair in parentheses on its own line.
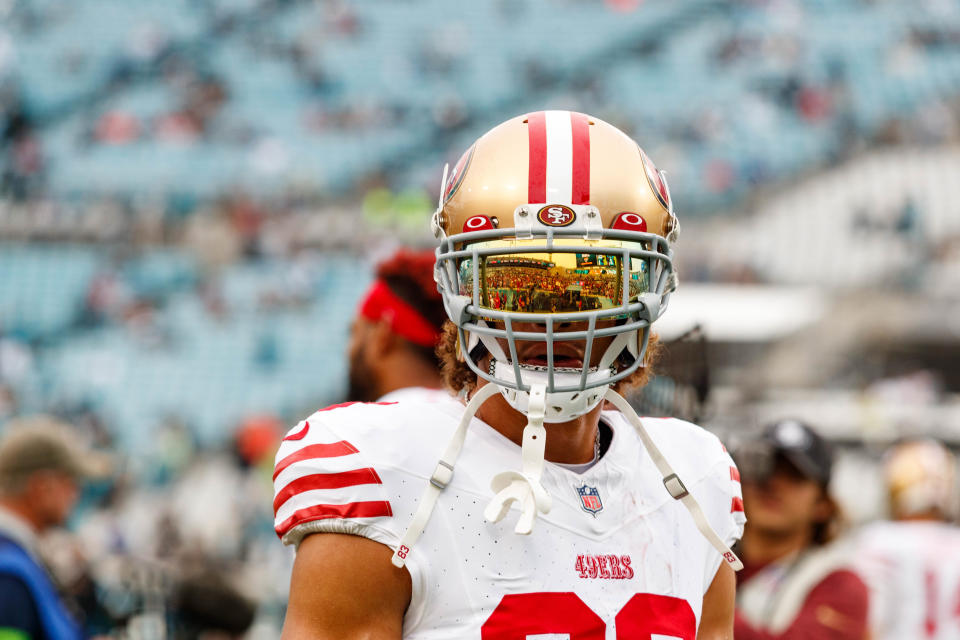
(689,447)
(385,431)
(351,467)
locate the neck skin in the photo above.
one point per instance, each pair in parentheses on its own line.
(761,547)
(399,369)
(22,510)
(570,442)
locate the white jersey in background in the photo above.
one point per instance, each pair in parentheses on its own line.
(419,394)
(615,557)
(913,572)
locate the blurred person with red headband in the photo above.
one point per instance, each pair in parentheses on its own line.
(394,336)
(912,564)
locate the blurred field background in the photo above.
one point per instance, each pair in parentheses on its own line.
(194,193)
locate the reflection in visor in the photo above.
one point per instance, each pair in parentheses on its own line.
(553,282)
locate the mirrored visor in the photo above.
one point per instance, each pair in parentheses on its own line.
(576,275)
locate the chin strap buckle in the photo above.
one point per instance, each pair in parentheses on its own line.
(442,475)
(675,487)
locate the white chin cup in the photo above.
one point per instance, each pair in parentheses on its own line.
(562,406)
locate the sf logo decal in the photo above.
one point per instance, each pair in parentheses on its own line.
(556,215)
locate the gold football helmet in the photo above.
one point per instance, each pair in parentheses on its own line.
(559,219)
(920,478)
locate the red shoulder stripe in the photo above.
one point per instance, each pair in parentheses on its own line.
(734,474)
(372,509)
(348,404)
(736,505)
(339,480)
(331,450)
(299,435)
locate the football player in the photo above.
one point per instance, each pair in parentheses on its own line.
(530,511)
(393,339)
(912,565)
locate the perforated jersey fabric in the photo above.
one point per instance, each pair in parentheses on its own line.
(615,551)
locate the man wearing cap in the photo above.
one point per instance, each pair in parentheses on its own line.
(795,584)
(40,471)
(395,334)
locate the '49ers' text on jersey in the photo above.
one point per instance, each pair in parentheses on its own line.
(616,557)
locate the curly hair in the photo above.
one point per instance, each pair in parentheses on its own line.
(458,376)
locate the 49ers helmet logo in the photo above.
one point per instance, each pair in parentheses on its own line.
(656,181)
(455,179)
(556,215)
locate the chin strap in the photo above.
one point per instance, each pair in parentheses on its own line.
(441,477)
(524,486)
(674,485)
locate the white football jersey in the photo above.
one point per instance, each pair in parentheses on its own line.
(418,394)
(615,557)
(913,572)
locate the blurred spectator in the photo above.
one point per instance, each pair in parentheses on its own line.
(207,606)
(213,239)
(8,402)
(794,584)
(16,359)
(40,471)
(24,168)
(116,128)
(912,565)
(393,337)
(106,298)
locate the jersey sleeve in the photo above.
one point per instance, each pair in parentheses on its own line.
(722,501)
(325,483)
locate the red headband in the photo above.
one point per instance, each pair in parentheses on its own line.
(405,321)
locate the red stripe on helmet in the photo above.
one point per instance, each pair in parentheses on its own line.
(537,172)
(580,191)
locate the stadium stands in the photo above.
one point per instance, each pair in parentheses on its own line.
(196,98)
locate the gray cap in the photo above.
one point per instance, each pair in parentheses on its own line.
(803,447)
(39,443)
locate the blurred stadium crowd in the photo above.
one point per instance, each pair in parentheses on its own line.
(192,189)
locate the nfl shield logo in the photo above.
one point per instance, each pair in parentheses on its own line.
(590,499)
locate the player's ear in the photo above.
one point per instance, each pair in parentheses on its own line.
(382,339)
(826,507)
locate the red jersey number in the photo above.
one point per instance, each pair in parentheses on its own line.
(523,614)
